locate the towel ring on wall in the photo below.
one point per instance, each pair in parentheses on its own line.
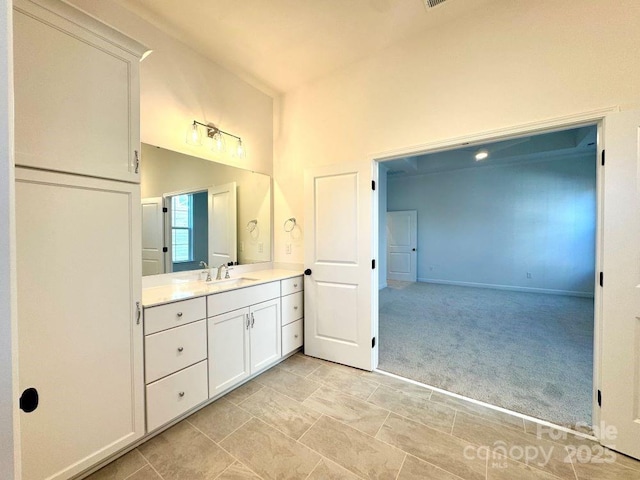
(289,224)
(251,225)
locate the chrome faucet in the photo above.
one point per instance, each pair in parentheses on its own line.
(208,270)
(219,274)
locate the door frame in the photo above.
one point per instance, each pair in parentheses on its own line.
(590,118)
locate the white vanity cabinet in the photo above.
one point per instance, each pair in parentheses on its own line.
(77,94)
(80,337)
(175,359)
(244,334)
(292,314)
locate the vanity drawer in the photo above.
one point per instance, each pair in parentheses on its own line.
(292,307)
(292,285)
(292,336)
(175,394)
(242,297)
(172,350)
(172,315)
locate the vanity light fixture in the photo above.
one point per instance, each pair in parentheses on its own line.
(481,155)
(215,137)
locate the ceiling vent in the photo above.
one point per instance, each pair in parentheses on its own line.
(432,3)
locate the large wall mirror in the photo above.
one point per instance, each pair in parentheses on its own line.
(196,210)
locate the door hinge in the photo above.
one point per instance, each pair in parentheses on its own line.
(373,184)
(373,342)
(373,264)
(602,158)
(165,249)
(602,279)
(599,398)
(165,209)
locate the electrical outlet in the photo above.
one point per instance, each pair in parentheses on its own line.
(260,247)
(528,274)
(288,249)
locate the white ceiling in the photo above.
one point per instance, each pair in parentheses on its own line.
(279,45)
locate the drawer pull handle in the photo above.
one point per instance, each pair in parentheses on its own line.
(181,394)
(180,349)
(179,314)
(248,322)
(253,320)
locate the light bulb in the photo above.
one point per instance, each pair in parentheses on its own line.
(217,143)
(481,155)
(194,137)
(240,150)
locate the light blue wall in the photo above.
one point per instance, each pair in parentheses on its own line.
(492,225)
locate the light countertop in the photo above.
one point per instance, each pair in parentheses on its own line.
(182,289)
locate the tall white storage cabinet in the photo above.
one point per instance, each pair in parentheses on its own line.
(80,336)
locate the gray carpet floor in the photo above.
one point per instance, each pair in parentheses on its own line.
(531,353)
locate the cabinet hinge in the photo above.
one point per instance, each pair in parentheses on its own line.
(373,264)
(165,249)
(165,209)
(373,342)
(602,279)
(599,398)
(602,158)
(373,184)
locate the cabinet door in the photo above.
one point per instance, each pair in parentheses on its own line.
(76,93)
(80,338)
(265,334)
(228,350)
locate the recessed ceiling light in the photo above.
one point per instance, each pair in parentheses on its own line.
(481,155)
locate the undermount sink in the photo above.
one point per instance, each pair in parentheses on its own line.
(232,282)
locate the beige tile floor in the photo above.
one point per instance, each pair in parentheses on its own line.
(310,419)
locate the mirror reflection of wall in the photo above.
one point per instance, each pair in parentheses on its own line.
(164,172)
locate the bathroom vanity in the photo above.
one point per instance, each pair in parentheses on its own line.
(203,339)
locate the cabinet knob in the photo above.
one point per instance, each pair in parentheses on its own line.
(181,394)
(179,314)
(295,336)
(180,349)
(295,307)
(295,285)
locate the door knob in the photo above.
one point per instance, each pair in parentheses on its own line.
(307,271)
(29,400)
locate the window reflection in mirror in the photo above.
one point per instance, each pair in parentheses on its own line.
(183,185)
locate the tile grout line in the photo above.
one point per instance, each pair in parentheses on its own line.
(132,474)
(382,425)
(573,467)
(151,465)
(453,424)
(244,399)
(307,430)
(401,465)
(226,436)
(314,468)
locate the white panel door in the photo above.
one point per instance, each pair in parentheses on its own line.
(228,350)
(265,334)
(80,339)
(402,240)
(152,236)
(338,252)
(222,224)
(620,352)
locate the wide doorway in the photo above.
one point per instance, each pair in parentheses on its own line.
(504,255)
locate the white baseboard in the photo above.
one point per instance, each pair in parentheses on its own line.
(382,285)
(547,291)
